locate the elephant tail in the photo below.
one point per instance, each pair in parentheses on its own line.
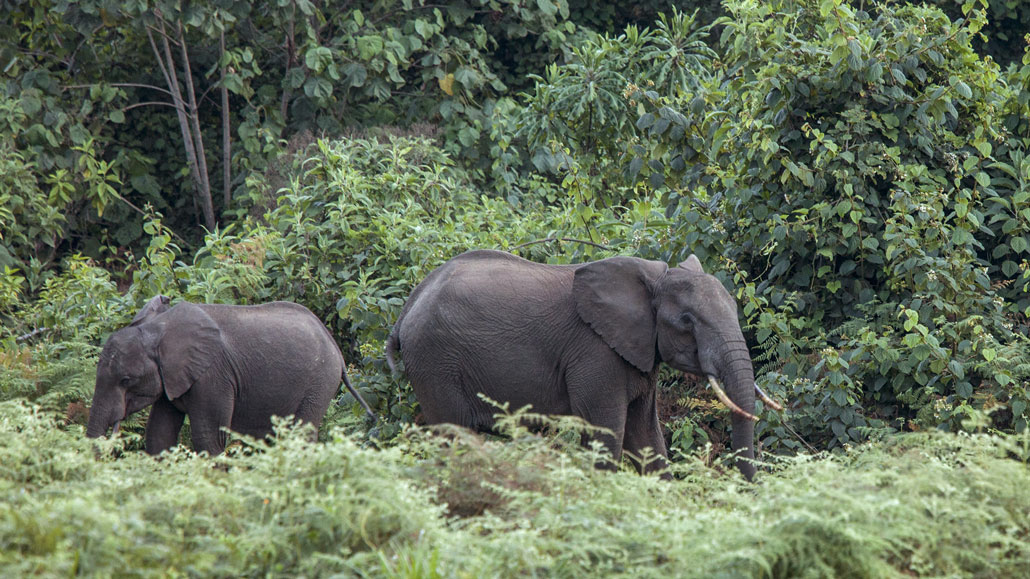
(393,345)
(355,394)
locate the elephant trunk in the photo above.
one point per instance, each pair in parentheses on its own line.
(97,426)
(739,378)
(102,416)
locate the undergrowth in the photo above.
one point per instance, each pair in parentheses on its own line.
(457,505)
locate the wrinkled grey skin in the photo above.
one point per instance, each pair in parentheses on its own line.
(224,366)
(582,340)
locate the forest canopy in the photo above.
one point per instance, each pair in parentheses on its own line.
(856,173)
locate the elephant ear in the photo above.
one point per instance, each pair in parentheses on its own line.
(157,305)
(615,297)
(692,264)
(185,342)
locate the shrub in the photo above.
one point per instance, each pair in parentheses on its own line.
(919,504)
(859,176)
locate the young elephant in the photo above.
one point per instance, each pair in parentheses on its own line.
(225,366)
(584,340)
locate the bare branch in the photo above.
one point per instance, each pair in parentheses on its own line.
(145,214)
(35,332)
(123,84)
(148,103)
(160,62)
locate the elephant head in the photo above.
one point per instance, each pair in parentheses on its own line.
(648,312)
(161,353)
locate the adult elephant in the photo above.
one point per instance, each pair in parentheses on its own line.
(580,340)
(225,366)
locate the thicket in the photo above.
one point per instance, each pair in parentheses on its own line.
(920,504)
(871,177)
(856,173)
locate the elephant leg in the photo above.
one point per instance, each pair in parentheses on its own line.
(443,400)
(594,400)
(163,426)
(644,431)
(209,416)
(312,409)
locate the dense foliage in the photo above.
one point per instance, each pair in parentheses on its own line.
(923,505)
(858,174)
(882,165)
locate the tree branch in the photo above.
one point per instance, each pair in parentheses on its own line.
(124,84)
(145,214)
(567,239)
(24,337)
(148,103)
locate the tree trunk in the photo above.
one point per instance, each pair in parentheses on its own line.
(226,137)
(204,186)
(192,144)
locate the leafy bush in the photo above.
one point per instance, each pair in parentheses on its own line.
(859,176)
(579,116)
(935,504)
(358,224)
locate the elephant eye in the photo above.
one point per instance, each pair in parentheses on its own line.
(686,320)
(126,380)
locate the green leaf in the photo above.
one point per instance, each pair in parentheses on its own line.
(1018,406)
(116,116)
(963,90)
(961,209)
(369,47)
(423,28)
(294,77)
(468,136)
(634,167)
(547,7)
(30,105)
(317,58)
(956,368)
(356,74)
(318,88)
(467,77)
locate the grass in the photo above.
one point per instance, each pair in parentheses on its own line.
(458,505)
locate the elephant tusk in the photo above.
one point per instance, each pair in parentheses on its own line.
(117,424)
(726,400)
(768,401)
